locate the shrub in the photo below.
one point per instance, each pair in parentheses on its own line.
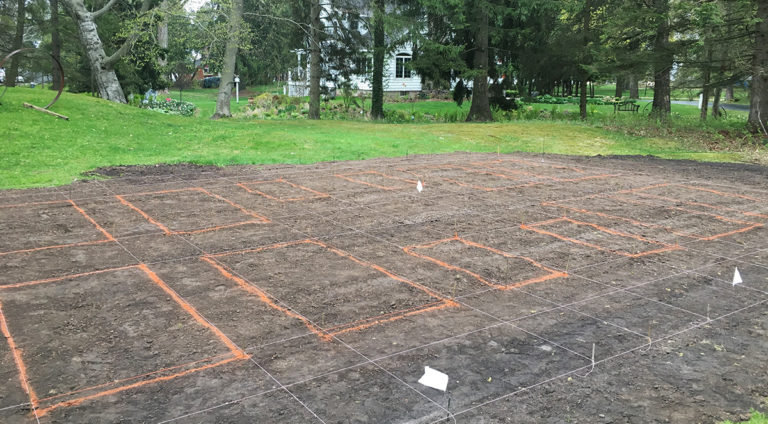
(170,106)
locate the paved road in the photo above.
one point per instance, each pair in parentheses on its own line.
(727,106)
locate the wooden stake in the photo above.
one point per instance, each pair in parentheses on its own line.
(39,109)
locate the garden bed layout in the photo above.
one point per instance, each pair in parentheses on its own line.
(547,288)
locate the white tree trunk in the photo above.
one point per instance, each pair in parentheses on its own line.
(102,67)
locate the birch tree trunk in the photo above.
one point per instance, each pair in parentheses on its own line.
(230,57)
(102,66)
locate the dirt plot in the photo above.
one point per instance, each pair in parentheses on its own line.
(548,289)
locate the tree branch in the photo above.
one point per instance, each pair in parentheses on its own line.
(126,46)
(104,9)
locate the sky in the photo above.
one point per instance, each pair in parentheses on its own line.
(193,5)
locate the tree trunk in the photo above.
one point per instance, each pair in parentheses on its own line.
(634,91)
(102,70)
(583,100)
(758,105)
(480,109)
(55,44)
(230,57)
(162,34)
(619,93)
(314,61)
(18,42)
(729,93)
(716,103)
(663,61)
(377,94)
(706,76)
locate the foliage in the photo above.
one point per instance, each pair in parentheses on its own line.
(169,106)
(756,418)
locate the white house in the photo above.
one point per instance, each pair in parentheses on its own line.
(399,79)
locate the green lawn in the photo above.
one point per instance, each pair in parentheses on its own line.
(757,418)
(40,150)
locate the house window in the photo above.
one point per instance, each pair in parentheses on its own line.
(402,70)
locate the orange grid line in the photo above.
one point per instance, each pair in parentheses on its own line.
(490,165)
(80,210)
(750,225)
(347,177)
(534,227)
(327,334)
(166,230)
(552,273)
(236,352)
(706,205)
(318,194)
(535,164)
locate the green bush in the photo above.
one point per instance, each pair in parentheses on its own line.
(170,106)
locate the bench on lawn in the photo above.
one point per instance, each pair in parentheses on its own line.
(626,107)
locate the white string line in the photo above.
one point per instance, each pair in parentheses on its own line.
(250,358)
(604,360)
(313,323)
(232,402)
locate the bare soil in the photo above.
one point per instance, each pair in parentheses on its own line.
(549,289)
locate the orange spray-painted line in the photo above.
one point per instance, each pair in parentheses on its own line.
(380,269)
(722,193)
(58,246)
(66,277)
(219,227)
(264,298)
(108,236)
(649,225)
(545,165)
(689,211)
(436,306)
(281,180)
(144,214)
(534,227)
(92,221)
(16,352)
(78,401)
(552,274)
(135,377)
(704,205)
(354,326)
(242,209)
(348,178)
(239,353)
(166,230)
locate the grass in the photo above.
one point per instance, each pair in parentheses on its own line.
(757,418)
(40,150)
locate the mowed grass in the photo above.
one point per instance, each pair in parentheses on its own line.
(41,150)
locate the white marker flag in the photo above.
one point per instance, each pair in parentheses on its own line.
(419,187)
(737,277)
(434,379)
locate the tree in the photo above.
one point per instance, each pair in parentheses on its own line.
(18,40)
(230,57)
(379,51)
(480,109)
(758,105)
(315,54)
(55,44)
(102,66)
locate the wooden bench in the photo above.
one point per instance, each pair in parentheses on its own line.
(626,107)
